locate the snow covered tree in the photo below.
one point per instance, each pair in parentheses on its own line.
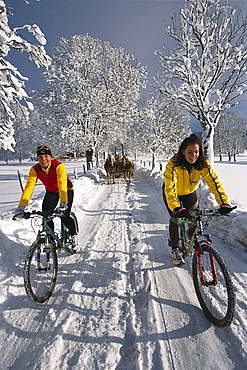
(92,93)
(22,133)
(206,73)
(42,131)
(230,135)
(161,127)
(12,83)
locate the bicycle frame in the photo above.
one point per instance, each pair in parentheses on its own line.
(190,242)
(187,240)
(43,233)
(47,230)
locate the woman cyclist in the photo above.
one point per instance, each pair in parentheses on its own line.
(181,179)
(52,174)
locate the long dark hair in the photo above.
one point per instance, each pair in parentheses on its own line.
(179,159)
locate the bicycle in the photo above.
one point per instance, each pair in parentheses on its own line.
(41,266)
(211,276)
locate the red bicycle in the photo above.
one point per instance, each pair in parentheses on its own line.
(211,276)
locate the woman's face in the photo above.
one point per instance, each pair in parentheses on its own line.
(44,160)
(191,153)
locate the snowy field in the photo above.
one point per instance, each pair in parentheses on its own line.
(119,303)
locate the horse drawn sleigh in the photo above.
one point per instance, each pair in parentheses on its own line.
(115,167)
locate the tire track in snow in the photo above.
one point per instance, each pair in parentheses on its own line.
(106,249)
(154,353)
(99,269)
(31,325)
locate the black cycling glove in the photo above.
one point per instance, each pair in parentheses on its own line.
(180,212)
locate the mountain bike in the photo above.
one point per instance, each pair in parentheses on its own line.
(211,276)
(41,266)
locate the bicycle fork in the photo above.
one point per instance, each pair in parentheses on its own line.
(199,254)
(45,266)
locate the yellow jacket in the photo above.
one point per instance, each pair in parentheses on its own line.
(179,181)
(60,180)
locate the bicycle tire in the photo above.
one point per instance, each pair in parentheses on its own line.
(40,283)
(217,301)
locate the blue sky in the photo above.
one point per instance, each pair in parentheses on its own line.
(135,25)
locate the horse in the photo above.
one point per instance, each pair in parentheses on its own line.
(110,167)
(127,167)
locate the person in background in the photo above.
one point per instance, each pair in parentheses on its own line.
(52,174)
(181,179)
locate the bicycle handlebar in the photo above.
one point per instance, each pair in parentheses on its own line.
(50,213)
(207,212)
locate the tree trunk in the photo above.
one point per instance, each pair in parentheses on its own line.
(153,161)
(220,153)
(97,159)
(207,142)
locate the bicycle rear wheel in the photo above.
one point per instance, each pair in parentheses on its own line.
(40,270)
(213,285)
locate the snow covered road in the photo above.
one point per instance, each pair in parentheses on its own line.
(119,303)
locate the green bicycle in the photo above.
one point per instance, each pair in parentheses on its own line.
(211,276)
(41,267)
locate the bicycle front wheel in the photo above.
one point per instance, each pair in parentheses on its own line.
(40,270)
(213,285)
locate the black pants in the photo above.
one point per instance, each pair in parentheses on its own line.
(189,202)
(50,202)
